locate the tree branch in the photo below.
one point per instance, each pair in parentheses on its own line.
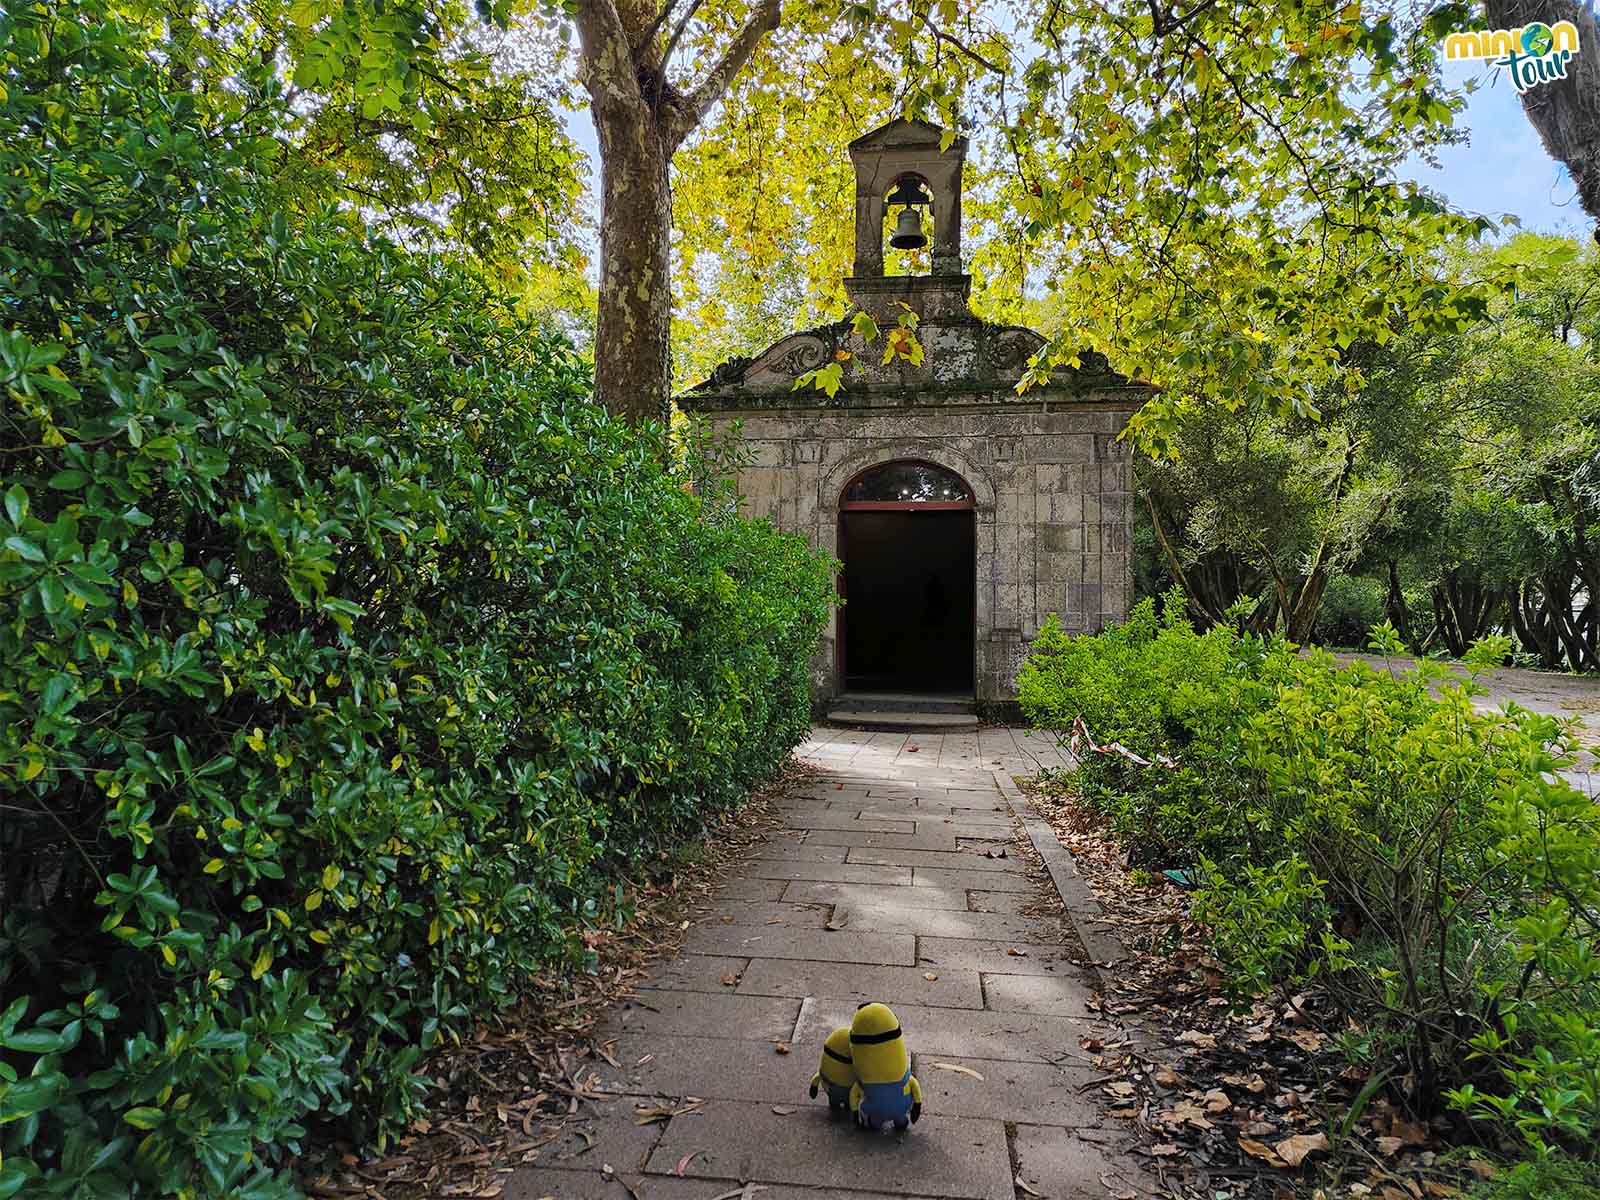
(684,114)
(608,70)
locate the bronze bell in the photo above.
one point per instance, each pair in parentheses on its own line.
(908,233)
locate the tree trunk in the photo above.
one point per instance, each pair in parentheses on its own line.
(633,339)
(1564,112)
(1395,607)
(640,119)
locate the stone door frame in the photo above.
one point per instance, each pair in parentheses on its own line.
(832,508)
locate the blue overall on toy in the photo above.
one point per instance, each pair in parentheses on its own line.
(882,1102)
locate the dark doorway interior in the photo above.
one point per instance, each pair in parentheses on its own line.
(909,594)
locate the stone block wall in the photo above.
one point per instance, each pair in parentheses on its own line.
(1053,490)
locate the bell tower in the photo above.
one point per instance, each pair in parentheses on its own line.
(902,164)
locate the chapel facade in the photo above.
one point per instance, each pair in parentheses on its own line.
(964,513)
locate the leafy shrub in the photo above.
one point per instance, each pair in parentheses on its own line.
(1372,829)
(350,655)
(1157,687)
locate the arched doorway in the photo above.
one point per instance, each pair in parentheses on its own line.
(907,537)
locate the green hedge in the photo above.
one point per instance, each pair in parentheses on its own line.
(1369,831)
(349,655)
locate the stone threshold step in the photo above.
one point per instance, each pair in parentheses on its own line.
(903,722)
(919,702)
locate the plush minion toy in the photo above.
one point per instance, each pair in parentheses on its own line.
(885,1089)
(835,1073)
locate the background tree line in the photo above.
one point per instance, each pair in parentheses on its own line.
(1449,483)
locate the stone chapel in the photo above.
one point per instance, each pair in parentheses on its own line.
(964,513)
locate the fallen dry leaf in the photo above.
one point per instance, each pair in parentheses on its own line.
(838,921)
(683,1163)
(780,1047)
(1193,1037)
(1024,1188)
(1120,1088)
(1307,1039)
(1390,1146)
(1482,1168)
(730,978)
(783,1110)
(1166,1076)
(944,1066)
(929,976)
(1015,953)
(1257,1149)
(1294,1150)
(1216,1101)
(1409,1132)
(1444,1191)
(1166,1149)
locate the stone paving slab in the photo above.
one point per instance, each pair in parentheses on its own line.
(1064,1165)
(964,860)
(752,889)
(936,922)
(540,1184)
(849,894)
(996,902)
(758,912)
(969,954)
(965,881)
(698,973)
(830,872)
(942,840)
(793,849)
(778,977)
(1006,1036)
(764,1018)
(845,946)
(1055,995)
(842,819)
(950,1157)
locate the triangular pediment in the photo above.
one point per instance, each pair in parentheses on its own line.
(901,133)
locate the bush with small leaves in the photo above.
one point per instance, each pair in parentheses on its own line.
(1423,860)
(350,657)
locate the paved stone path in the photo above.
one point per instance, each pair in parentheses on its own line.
(890,843)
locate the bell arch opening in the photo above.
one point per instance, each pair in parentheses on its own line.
(908,539)
(909,224)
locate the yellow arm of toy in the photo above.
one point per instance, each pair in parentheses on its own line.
(816,1082)
(856,1096)
(916,1099)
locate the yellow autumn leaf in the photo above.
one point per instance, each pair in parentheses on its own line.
(330,877)
(212,867)
(262,963)
(166,953)
(314,901)
(321,937)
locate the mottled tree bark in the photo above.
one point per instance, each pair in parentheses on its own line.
(640,119)
(1565,112)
